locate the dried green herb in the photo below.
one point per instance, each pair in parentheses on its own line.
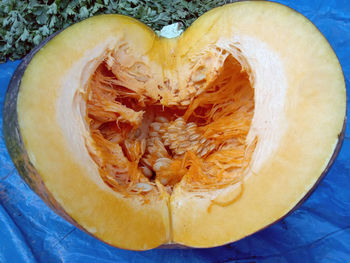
(25,24)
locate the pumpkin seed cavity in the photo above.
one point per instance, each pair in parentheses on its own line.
(139,140)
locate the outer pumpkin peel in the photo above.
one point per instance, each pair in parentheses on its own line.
(157,138)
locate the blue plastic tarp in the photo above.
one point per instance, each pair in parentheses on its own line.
(319,231)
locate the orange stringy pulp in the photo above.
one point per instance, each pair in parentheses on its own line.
(139,143)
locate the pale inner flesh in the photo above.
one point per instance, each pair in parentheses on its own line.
(140,140)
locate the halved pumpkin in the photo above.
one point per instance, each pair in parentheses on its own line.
(199,140)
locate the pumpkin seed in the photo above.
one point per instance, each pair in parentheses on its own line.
(146,171)
(161,119)
(144,187)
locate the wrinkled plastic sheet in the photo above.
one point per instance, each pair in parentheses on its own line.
(319,231)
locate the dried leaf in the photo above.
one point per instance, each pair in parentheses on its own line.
(26,23)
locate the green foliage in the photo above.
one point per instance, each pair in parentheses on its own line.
(25,24)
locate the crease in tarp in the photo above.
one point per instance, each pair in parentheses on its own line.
(14,248)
